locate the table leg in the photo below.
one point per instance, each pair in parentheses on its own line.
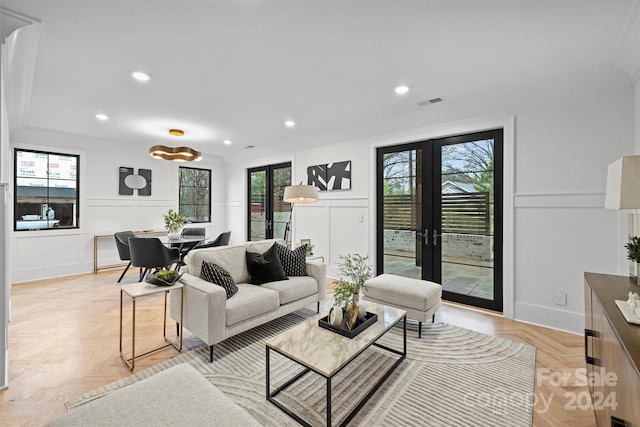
(120,321)
(133,335)
(329,401)
(164,318)
(268,376)
(181,314)
(404,333)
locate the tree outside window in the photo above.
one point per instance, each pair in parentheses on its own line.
(195,194)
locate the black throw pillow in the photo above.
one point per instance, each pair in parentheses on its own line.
(294,262)
(219,276)
(265,267)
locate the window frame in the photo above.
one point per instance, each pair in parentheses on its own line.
(49,202)
(209,171)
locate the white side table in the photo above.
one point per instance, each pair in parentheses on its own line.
(137,290)
(315,257)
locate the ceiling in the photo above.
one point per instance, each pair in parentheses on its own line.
(238,69)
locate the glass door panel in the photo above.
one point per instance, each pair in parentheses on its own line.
(281,209)
(402,212)
(467,214)
(268,214)
(258,205)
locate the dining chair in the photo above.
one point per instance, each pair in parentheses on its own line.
(221,240)
(122,243)
(193,231)
(150,252)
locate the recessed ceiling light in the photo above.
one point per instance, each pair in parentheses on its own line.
(102,117)
(176,132)
(227,142)
(289,123)
(401,90)
(140,76)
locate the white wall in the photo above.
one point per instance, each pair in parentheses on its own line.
(562,149)
(52,253)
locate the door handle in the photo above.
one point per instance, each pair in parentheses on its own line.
(435,237)
(425,236)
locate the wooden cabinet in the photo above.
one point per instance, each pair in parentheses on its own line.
(612,351)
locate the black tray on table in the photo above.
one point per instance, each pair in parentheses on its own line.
(160,282)
(361,325)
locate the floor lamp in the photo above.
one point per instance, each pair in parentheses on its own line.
(298,194)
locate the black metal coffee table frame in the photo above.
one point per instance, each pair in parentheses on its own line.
(271,395)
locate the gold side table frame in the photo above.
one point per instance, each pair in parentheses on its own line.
(137,290)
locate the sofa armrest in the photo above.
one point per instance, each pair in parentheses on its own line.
(205,308)
(318,271)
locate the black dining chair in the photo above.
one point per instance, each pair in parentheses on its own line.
(122,243)
(148,253)
(193,231)
(221,240)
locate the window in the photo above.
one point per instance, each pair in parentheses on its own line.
(46,190)
(195,194)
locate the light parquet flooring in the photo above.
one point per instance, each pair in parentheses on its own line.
(63,342)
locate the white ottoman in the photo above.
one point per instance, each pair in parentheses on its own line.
(419,298)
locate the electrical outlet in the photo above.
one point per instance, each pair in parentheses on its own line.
(559,298)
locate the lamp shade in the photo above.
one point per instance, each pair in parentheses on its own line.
(623,184)
(300,194)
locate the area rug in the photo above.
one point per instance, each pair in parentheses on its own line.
(451,377)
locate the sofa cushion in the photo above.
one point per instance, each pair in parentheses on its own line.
(251,301)
(293,289)
(265,267)
(261,246)
(294,262)
(215,274)
(231,258)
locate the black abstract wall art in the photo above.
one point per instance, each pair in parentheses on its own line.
(331,176)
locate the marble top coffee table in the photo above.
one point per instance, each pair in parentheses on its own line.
(326,353)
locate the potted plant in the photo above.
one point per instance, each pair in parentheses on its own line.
(357,270)
(173,221)
(309,249)
(633,255)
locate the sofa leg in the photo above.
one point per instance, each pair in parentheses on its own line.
(318,307)
(177,329)
(433,318)
(211,354)
(419,329)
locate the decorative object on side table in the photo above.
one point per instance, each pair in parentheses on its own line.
(173,221)
(633,255)
(347,292)
(164,277)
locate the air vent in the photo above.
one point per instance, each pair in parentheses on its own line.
(430,101)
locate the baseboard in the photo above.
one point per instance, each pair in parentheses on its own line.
(561,320)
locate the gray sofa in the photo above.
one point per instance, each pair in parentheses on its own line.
(210,316)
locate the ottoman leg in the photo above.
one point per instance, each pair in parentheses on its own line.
(419,329)
(433,318)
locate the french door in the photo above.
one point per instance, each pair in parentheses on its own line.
(268,215)
(440,215)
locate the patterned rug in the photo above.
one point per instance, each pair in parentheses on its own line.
(451,377)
